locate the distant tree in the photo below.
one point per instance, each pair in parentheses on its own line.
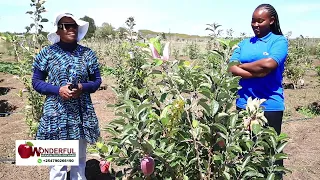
(105,30)
(92,26)
(122,32)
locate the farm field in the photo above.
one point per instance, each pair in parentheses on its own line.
(303,148)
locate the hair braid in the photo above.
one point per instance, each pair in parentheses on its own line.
(275,27)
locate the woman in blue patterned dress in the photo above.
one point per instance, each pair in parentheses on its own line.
(73,73)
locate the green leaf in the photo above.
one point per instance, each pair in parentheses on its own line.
(249,168)
(143,45)
(253,174)
(282,169)
(29,12)
(159,152)
(120,121)
(205,92)
(135,143)
(220,127)
(233,42)
(164,121)
(256,128)
(224,42)
(195,123)
(158,62)
(205,86)
(233,63)
(128,129)
(134,155)
(264,144)
(163,97)
(192,161)
(147,146)
(122,107)
(185,177)
(170,147)
(281,137)
(281,147)
(249,144)
(104,149)
(219,53)
(164,113)
(269,131)
(142,107)
(273,141)
(215,107)
(156,72)
(205,128)
(44,20)
(156,43)
(222,135)
(226,174)
(29,144)
(246,161)
(271,176)
(145,66)
(153,143)
(125,138)
(99,145)
(217,157)
(233,120)
(221,115)
(234,148)
(205,106)
(280,156)
(111,131)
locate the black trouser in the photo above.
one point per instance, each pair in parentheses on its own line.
(274,120)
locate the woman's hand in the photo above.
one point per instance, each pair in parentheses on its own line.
(76,92)
(65,92)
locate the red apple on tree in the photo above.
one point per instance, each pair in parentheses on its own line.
(25,150)
(104,166)
(147,165)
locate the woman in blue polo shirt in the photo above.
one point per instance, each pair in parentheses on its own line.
(262,59)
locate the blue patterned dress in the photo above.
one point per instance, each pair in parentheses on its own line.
(74,118)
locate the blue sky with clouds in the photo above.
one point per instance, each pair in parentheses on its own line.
(183,16)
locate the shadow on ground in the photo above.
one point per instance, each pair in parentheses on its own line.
(5,90)
(93,171)
(6,108)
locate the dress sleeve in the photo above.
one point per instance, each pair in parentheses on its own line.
(94,74)
(92,61)
(40,74)
(41,60)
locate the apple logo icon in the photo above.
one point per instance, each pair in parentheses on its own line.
(25,150)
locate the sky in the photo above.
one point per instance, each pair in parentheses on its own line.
(301,17)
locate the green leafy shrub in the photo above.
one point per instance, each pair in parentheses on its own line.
(183,119)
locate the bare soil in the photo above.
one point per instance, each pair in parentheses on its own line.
(303,148)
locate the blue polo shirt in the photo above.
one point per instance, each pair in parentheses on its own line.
(268,87)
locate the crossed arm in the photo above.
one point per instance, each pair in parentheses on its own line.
(262,67)
(258,68)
